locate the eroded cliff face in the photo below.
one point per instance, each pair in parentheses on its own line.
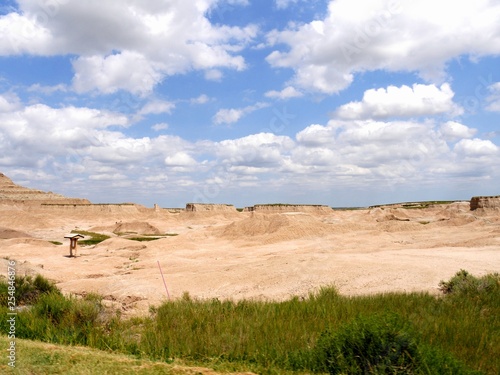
(209,207)
(13,193)
(492,202)
(289,208)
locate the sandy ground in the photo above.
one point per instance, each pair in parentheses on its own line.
(251,255)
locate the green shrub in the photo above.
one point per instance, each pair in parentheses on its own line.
(380,345)
(463,283)
(27,289)
(368,345)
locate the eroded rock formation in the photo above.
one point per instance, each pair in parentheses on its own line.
(485,202)
(13,193)
(289,208)
(209,207)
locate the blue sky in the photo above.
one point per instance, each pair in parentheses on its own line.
(344,103)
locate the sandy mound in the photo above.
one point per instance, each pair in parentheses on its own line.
(29,241)
(119,244)
(6,233)
(136,227)
(270,228)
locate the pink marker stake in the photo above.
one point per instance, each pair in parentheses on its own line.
(164,283)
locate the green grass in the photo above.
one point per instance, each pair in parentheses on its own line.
(456,333)
(414,205)
(421,205)
(56,242)
(151,237)
(94,240)
(39,358)
(143,239)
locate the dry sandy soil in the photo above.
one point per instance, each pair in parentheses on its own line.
(249,254)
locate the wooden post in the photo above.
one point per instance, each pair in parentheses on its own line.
(72,246)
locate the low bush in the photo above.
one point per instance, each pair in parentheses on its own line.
(465,284)
(368,345)
(27,289)
(380,345)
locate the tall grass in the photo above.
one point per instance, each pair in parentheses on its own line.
(451,333)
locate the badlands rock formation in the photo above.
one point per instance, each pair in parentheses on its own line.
(316,208)
(209,207)
(13,193)
(485,202)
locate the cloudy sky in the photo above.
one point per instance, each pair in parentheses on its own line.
(344,102)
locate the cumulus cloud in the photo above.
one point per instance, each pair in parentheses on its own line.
(263,150)
(453,131)
(9,102)
(68,125)
(476,148)
(202,99)
(392,152)
(404,101)
(131,45)
(286,93)
(160,126)
(179,159)
(395,36)
(128,70)
(156,107)
(232,115)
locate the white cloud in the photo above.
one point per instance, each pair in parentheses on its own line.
(263,150)
(9,102)
(283,4)
(353,153)
(127,45)
(286,93)
(202,99)
(315,135)
(359,36)
(49,132)
(156,107)
(179,159)
(232,115)
(404,101)
(453,131)
(494,98)
(47,90)
(213,75)
(476,148)
(128,71)
(160,126)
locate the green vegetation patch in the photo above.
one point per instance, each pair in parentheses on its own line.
(27,289)
(143,239)
(46,359)
(151,237)
(421,205)
(94,240)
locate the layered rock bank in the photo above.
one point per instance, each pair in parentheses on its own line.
(492,202)
(209,207)
(13,193)
(289,208)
